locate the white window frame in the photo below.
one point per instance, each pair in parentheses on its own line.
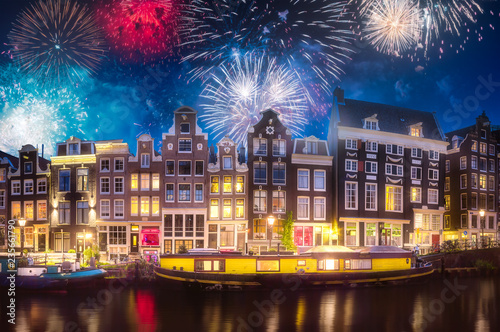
(101,210)
(28,181)
(399,149)
(351,144)
(123,164)
(123,185)
(38,182)
(433,155)
(179,192)
(17,184)
(46,209)
(399,169)
(101,170)
(463,162)
(435,174)
(318,171)
(141,179)
(351,165)
(371,146)
(190,145)
(419,190)
(401,195)
(355,203)
(173,192)
(373,164)
(415,154)
(307,198)
(141,199)
(375,202)
(414,173)
(115,208)
(323,205)
(308,179)
(224,159)
(436,193)
(101,185)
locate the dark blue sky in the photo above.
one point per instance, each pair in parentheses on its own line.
(451,85)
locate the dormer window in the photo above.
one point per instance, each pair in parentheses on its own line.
(416,130)
(145,158)
(312,147)
(456,141)
(371,123)
(184,128)
(72,148)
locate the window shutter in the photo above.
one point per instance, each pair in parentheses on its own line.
(360,166)
(359,144)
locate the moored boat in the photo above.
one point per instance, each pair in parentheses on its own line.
(63,277)
(319,267)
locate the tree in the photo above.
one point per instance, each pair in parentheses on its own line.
(287,238)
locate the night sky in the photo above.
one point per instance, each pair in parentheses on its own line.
(135,92)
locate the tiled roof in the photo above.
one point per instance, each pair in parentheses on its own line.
(392,119)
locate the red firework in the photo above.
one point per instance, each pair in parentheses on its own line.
(140,30)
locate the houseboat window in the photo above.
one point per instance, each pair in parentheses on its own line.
(328,264)
(301,263)
(358,264)
(268,265)
(209,265)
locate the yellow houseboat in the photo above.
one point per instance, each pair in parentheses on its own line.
(320,266)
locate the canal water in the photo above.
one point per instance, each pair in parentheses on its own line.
(469,304)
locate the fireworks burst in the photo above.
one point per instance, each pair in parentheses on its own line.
(216,32)
(435,17)
(393,26)
(56,41)
(31,116)
(246,87)
(141,30)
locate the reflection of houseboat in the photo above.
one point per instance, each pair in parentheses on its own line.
(320,266)
(66,276)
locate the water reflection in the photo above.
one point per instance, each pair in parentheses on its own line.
(408,308)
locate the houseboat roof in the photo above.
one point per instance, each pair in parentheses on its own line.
(383,249)
(329,249)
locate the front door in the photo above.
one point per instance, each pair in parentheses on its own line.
(386,236)
(41,242)
(79,245)
(435,240)
(134,242)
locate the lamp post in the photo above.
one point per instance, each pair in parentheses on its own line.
(481,213)
(270,222)
(22,223)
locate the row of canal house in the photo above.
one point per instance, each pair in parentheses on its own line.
(386,176)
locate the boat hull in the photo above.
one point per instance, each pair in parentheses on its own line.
(218,281)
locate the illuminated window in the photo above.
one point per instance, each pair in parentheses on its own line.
(144,206)
(447,184)
(134,185)
(416,195)
(394,198)
(82,179)
(28,210)
(482,148)
(240,208)
(474,146)
(3,172)
(210,265)
(279,201)
(447,202)
(156,181)
(134,205)
(482,182)
(155,206)
(226,208)
(259,229)
(144,181)
(228,184)
(328,264)
(240,184)
(214,208)
(214,187)
(16,210)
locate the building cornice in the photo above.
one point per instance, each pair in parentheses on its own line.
(74,159)
(312,159)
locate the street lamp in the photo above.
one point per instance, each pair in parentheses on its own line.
(481,213)
(270,222)
(22,223)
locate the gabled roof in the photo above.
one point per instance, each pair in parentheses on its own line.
(14,161)
(392,119)
(460,132)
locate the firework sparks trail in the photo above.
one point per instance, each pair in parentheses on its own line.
(57,42)
(251,84)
